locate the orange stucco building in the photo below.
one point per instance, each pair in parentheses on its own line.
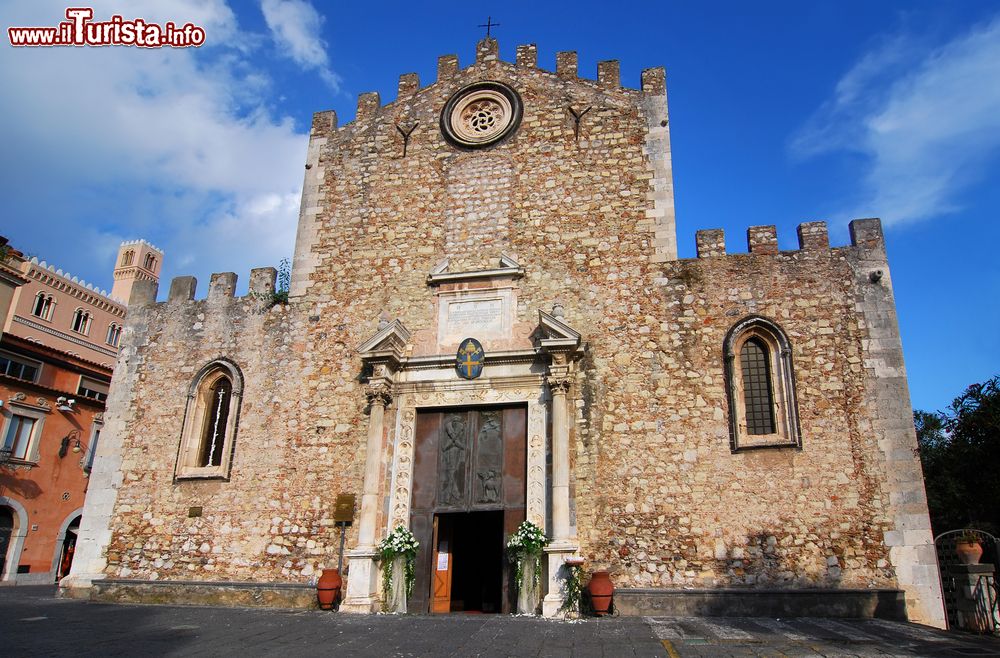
(58,345)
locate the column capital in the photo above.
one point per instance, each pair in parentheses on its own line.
(379,392)
(558,384)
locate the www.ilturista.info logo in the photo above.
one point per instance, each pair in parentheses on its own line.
(80,30)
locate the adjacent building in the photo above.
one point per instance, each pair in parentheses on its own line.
(60,338)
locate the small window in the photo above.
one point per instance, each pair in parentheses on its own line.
(81,321)
(43,306)
(12,366)
(150,262)
(114,335)
(93,389)
(127,258)
(761,386)
(209,430)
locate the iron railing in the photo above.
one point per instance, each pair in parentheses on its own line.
(948,558)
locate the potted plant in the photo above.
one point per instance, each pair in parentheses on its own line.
(397,553)
(524,549)
(968,547)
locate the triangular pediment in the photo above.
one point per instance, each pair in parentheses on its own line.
(555,335)
(390,340)
(508,268)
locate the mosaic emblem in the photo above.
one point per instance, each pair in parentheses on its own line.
(470,358)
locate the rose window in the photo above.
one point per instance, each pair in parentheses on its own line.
(481,114)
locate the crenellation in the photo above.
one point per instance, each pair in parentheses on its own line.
(447,67)
(487,50)
(262,280)
(654,81)
(409,83)
(182,289)
(710,242)
(143,293)
(527,56)
(609,74)
(323,123)
(566,65)
(762,239)
(368,105)
(813,236)
(222,286)
(867,233)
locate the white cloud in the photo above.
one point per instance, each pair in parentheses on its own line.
(295,26)
(926,122)
(176,146)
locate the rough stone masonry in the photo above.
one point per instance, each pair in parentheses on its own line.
(569,218)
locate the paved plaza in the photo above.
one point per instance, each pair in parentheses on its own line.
(34,623)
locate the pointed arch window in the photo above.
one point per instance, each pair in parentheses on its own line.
(150,262)
(114,334)
(210,420)
(127,258)
(81,321)
(43,306)
(761,386)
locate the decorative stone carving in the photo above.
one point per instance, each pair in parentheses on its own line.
(379,392)
(481,114)
(558,383)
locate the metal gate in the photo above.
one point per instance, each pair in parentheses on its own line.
(944,545)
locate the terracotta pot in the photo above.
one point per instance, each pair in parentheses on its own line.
(601,590)
(969,552)
(328,588)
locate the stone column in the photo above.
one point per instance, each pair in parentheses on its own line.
(362,581)
(562,544)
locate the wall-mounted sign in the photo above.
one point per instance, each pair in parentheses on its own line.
(343,512)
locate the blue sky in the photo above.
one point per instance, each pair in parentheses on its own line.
(781,112)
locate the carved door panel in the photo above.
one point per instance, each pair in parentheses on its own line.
(422,506)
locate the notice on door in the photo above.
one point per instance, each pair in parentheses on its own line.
(442,562)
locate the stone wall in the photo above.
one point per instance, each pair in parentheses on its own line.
(657,493)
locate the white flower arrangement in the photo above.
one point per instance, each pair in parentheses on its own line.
(398,542)
(526,544)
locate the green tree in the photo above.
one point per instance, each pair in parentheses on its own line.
(960,453)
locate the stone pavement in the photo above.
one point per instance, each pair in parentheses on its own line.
(34,623)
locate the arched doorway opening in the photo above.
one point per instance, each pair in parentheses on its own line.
(68,549)
(6,534)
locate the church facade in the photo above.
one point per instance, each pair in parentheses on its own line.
(707,429)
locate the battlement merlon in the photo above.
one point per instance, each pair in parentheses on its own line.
(221,287)
(653,80)
(813,236)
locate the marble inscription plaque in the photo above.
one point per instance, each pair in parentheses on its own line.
(475,318)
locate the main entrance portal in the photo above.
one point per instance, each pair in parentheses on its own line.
(468,496)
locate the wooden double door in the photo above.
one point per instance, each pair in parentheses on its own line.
(469,482)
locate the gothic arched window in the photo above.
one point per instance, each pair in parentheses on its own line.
(43,306)
(149,262)
(210,420)
(81,321)
(761,386)
(114,334)
(127,258)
